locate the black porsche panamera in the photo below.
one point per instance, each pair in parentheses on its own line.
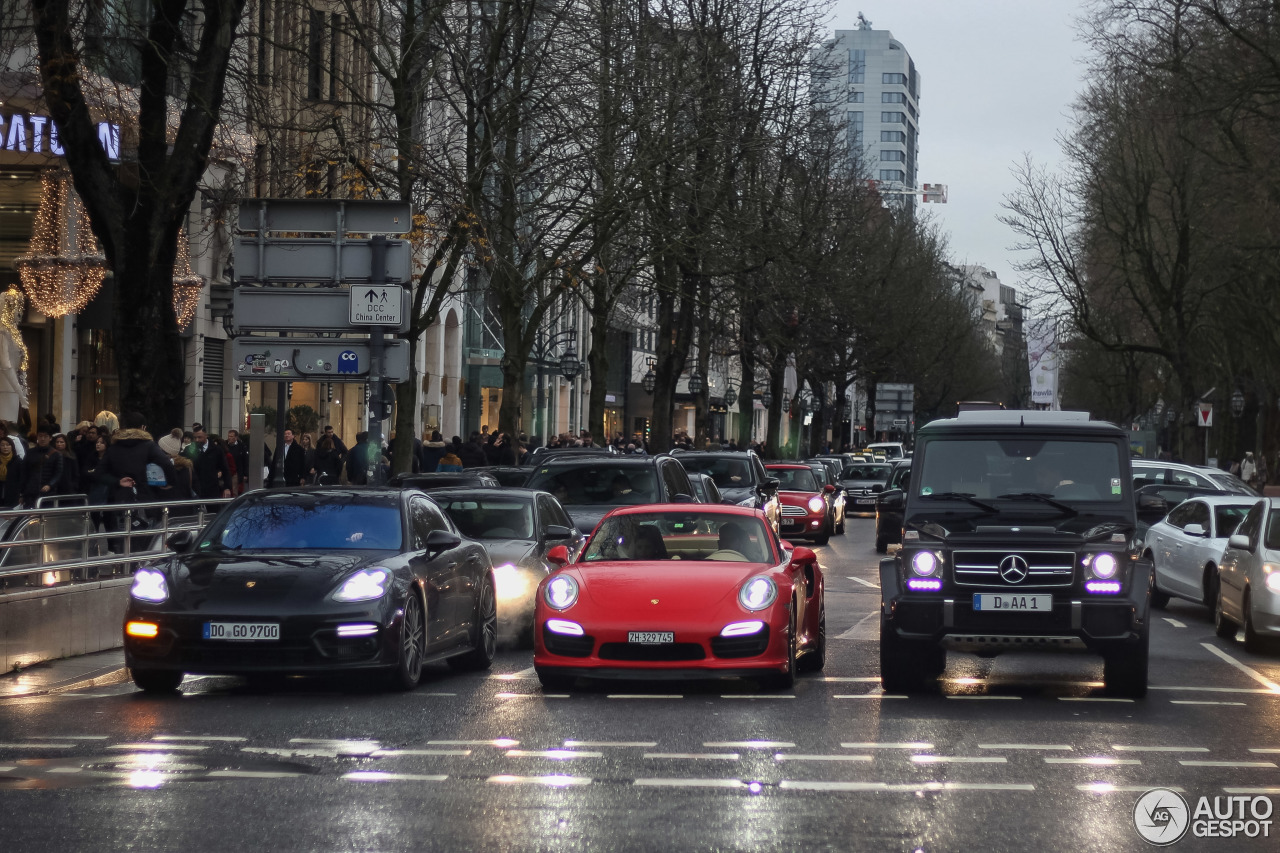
(311,581)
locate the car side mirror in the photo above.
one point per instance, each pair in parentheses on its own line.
(1152,506)
(559,555)
(891,499)
(803,556)
(877,487)
(442,540)
(559,531)
(770,485)
(1239,541)
(1194,530)
(181,540)
(682,498)
(828,488)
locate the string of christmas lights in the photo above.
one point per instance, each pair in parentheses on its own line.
(10,315)
(63,268)
(186,284)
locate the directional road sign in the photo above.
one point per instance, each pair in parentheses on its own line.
(324,359)
(377,304)
(306,309)
(317,260)
(323,215)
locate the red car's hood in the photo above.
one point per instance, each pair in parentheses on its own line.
(682,588)
(797,498)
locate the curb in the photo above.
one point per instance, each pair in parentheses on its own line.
(102,678)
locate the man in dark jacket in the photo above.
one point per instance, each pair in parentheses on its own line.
(43,468)
(432,451)
(212,478)
(288,463)
(132,450)
(471,453)
(240,455)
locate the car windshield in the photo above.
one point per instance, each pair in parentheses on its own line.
(878,473)
(598,482)
(307,524)
(1063,469)
(1228,518)
(490,518)
(795,479)
(680,536)
(727,473)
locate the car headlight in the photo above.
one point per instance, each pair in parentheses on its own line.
(748,502)
(1103,566)
(511,582)
(149,585)
(364,585)
(924,564)
(817,504)
(561,592)
(758,593)
(1273,577)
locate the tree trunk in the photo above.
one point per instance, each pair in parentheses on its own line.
(146,339)
(598,361)
(406,411)
(747,393)
(777,388)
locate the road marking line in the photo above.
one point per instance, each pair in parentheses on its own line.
(382,776)
(7,767)
(251,774)
(1264,764)
(1265,750)
(1109,788)
(1091,699)
(750,744)
(511,676)
(554,780)
(866,679)
(1093,760)
(578,743)
(851,633)
(1252,791)
(909,788)
(435,694)
(959,759)
(782,756)
(863,582)
(285,752)
(646,695)
(1174,622)
(1214,689)
(502,742)
(390,753)
(690,783)
(551,753)
(888,745)
(726,756)
(78,737)
(1247,670)
(987,696)
(1024,746)
(66,769)
(1118,747)
(163,747)
(36,745)
(531,696)
(1203,702)
(755,696)
(337,742)
(869,696)
(219,738)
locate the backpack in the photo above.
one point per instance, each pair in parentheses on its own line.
(155,476)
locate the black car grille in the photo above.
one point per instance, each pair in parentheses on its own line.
(655,652)
(741,647)
(567,645)
(1043,568)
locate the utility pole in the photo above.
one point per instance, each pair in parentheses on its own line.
(377,275)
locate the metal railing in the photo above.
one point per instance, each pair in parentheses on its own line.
(50,546)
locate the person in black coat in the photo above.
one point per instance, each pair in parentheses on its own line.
(212,475)
(471,453)
(69,482)
(11,480)
(326,464)
(432,451)
(132,450)
(288,464)
(239,451)
(43,467)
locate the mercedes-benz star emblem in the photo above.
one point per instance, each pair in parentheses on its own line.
(1013,569)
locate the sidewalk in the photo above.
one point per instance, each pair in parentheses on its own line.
(56,676)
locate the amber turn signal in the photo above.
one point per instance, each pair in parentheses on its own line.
(141,629)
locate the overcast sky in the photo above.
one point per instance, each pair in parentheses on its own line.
(997,80)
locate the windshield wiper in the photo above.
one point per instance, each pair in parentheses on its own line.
(961,496)
(1043,498)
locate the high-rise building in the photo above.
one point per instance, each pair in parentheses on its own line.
(870,85)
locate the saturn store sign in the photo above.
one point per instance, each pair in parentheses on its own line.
(28,134)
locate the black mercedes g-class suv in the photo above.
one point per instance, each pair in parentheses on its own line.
(1018,533)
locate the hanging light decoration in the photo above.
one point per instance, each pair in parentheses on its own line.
(730,396)
(11,304)
(64,267)
(186,284)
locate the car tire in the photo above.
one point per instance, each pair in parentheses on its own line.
(1159,598)
(156,680)
(1222,626)
(882,545)
(555,682)
(1124,667)
(822,538)
(1253,641)
(816,658)
(485,639)
(413,644)
(785,680)
(908,666)
(1210,586)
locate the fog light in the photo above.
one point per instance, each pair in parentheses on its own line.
(564,626)
(142,629)
(924,584)
(357,629)
(741,629)
(814,523)
(1103,587)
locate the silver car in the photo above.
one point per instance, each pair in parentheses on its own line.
(1186,547)
(1249,579)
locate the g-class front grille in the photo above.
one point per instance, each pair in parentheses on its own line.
(1003,568)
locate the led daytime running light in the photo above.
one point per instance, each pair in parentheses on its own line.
(924,584)
(742,629)
(564,626)
(1103,587)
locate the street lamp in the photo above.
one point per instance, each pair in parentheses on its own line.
(786,404)
(1237,403)
(569,364)
(766,398)
(695,382)
(730,396)
(650,380)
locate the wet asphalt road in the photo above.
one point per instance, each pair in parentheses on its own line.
(1017,752)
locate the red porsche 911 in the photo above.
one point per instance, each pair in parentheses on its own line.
(681,591)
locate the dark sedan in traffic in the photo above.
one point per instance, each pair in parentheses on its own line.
(314,580)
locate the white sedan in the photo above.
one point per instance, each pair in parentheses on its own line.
(1186,547)
(1249,579)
